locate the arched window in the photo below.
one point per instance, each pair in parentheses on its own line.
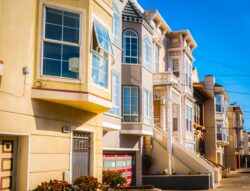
(147,53)
(130,47)
(116,26)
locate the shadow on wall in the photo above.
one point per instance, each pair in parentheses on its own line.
(52,116)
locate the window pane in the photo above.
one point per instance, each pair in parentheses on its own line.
(52,50)
(54,16)
(71,20)
(130,47)
(70,35)
(53,32)
(99,70)
(51,67)
(70,52)
(66,72)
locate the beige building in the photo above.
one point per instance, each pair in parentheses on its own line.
(217,135)
(234,151)
(55,83)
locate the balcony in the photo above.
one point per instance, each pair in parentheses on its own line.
(1,67)
(84,100)
(137,129)
(165,78)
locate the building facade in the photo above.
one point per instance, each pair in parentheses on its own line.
(55,85)
(234,151)
(217,135)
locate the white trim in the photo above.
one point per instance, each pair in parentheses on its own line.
(111,125)
(119,149)
(137,132)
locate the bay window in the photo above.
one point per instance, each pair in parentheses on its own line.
(130,104)
(130,47)
(219,132)
(188,74)
(176,70)
(219,104)
(61,43)
(147,106)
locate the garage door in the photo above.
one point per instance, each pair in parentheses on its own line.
(122,162)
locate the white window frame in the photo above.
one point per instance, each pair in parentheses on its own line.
(130,105)
(125,50)
(221,103)
(116,95)
(147,107)
(44,39)
(147,53)
(188,74)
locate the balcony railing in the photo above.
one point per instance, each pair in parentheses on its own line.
(164,78)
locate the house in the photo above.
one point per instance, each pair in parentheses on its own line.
(234,151)
(131,119)
(201,96)
(55,84)
(217,135)
(172,145)
(246,158)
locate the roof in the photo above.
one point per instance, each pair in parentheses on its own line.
(236,107)
(132,10)
(188,35)
(199,88)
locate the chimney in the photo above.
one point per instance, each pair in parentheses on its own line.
(209,82)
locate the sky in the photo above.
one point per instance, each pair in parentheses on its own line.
(221,28)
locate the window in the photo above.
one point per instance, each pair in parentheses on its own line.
(157,58)
(116,26)
(147,107)
(219,132)
(115,94)
(130,47)
(219,103)
(147,53)
(188,73)
(189,119)
(61,45)
(130,104)
(102,49)
(197,114)
(176,70)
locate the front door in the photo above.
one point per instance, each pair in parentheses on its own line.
(80,154)
(8,154)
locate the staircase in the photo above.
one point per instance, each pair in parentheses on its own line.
(183,160)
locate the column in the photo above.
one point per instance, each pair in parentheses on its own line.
(163,113)
(169,127)
(180,129)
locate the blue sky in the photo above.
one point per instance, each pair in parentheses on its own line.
(221,29)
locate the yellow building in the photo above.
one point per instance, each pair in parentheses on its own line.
(55,84)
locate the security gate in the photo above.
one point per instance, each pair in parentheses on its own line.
(80,154)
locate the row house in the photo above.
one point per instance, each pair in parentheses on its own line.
(246,158)
(217,135)
(55,70)
(131,116)
(234,151)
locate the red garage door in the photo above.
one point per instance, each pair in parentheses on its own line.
(124,163)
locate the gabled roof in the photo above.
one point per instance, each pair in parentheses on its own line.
(132,10)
